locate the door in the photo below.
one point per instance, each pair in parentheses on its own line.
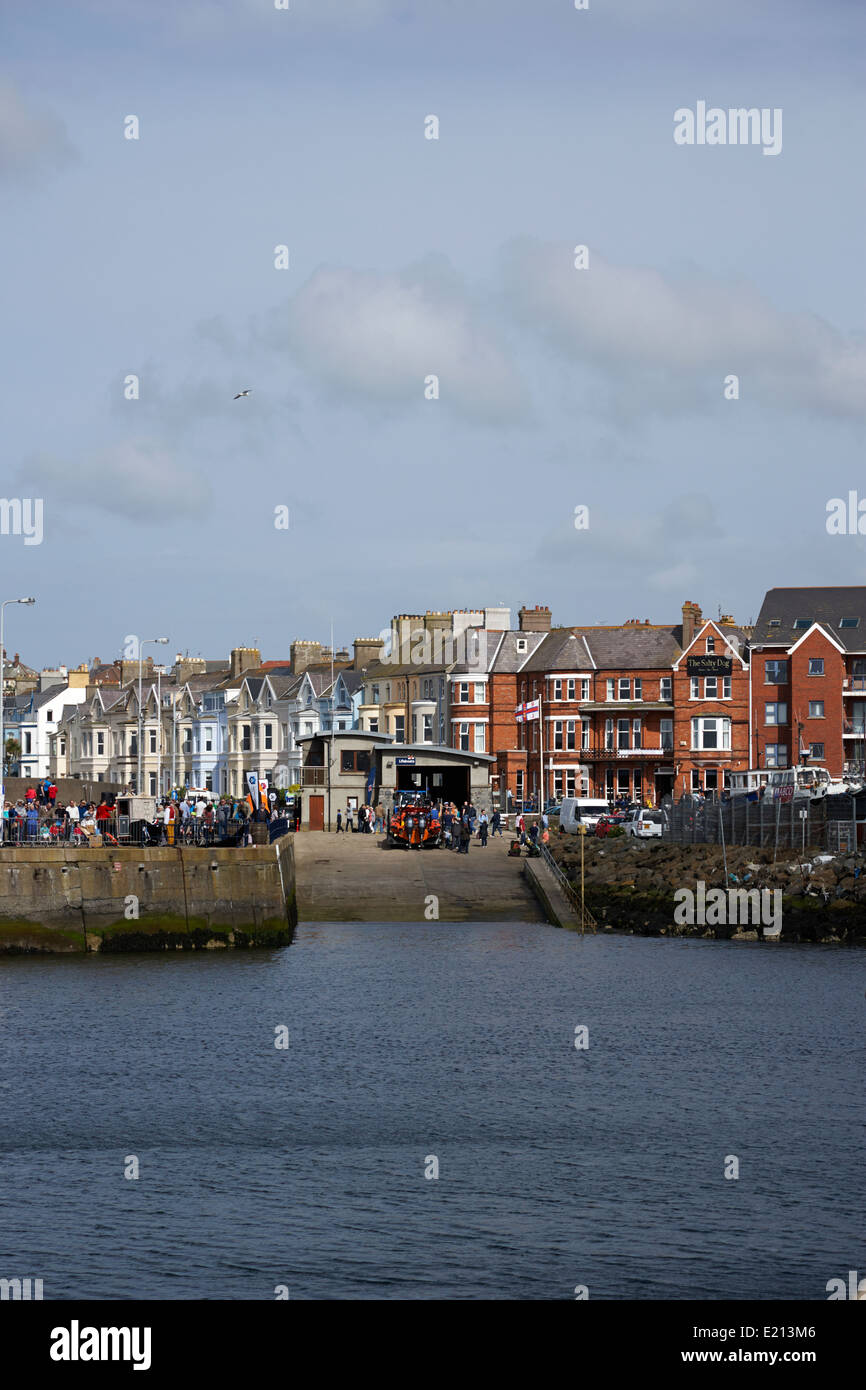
(317,813)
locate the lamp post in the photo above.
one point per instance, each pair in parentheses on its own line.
(148,641)
(2,710)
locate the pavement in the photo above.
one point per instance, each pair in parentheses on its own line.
(358,878)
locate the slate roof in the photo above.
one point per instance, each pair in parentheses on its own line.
(821,605)
(509,659)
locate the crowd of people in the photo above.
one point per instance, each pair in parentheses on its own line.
(38,818)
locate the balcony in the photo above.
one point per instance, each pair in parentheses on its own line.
(854,685)
(854,728)
(314,776)
(600,754)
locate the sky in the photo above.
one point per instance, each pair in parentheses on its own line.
(410,258)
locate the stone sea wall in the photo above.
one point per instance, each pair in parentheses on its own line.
(70,900)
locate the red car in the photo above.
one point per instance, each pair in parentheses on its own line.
(604,823)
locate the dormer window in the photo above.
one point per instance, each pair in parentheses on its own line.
(774,622)
(521,644)
(801,624)
(843,622)
(711,644)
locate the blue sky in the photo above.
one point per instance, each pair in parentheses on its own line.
(409,256)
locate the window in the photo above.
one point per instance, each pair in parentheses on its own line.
(726,687)
(777,755)
(776,673)
(569,733)
(153,784)
(399,728)
(622,733)
(374,695)
(269,735)
(802,624)
(208,740)
(711,733)
(464,738)
(463,695)
(100,743)
(584,688)
(843,622)
(711,644)
(480,738)
(611,689)
(816,665)
(518,785)
(695,687)
(667,733)
(608,733)
(557,786)
(774,622)
(354,760)
(557,690)
(427,733)
(623,781)
(711,779)
(775,713)
(584,733)
(638,786)
(636,734)
(569,691)
(638,688)
(246,742)
(557,735)
(624,687)
(50,717)
(374,726)
(696,779)
(711,687)
(479,692)
(816,709)
(816,750)
(666,688)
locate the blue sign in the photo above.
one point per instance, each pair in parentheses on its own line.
(405,762)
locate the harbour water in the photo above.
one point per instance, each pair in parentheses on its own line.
(304,1166)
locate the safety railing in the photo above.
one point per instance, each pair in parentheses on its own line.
(587,921)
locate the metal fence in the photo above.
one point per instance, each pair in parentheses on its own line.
(765,822)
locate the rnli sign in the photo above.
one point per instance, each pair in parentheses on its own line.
(708,665)
(405,762)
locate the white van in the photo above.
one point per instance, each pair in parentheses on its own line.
(581,811)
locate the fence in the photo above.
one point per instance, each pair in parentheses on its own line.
(765,822)
(587,921)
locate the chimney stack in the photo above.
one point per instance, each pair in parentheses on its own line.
(534,619)
(691,622)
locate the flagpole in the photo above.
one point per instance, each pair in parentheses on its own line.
(541,749)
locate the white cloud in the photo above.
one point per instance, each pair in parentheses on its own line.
(670,342)
(139,480)
(379,336)
(30,141)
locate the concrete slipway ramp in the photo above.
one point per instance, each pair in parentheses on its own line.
(355,878)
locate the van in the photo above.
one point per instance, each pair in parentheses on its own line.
(581,811)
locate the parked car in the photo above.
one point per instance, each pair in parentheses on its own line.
(644,824)
(613,820)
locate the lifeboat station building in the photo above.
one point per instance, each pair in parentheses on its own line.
(349,768)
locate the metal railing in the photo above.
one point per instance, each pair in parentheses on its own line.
(587,921)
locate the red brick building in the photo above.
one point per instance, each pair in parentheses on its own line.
(638,710)
(808,679)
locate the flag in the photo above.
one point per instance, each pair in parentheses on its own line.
(252,779)
(532,709)
(263,792)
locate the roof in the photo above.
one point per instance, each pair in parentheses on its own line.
(565,649)
(508,659)
(827,606)
(635,646)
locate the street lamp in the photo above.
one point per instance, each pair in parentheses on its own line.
(2,707)
(148,641)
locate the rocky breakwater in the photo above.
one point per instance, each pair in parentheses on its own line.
(657,888)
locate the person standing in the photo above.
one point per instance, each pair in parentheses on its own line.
(483,827)
(465,834)
(339,822)
(496,824)
(349,825)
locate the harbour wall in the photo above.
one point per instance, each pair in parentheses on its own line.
(69,900)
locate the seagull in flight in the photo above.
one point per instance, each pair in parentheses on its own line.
(241,393)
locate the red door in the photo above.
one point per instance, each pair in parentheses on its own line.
(317,813)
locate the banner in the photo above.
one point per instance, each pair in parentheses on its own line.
(252,781)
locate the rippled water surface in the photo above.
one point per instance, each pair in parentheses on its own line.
(557,1166)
